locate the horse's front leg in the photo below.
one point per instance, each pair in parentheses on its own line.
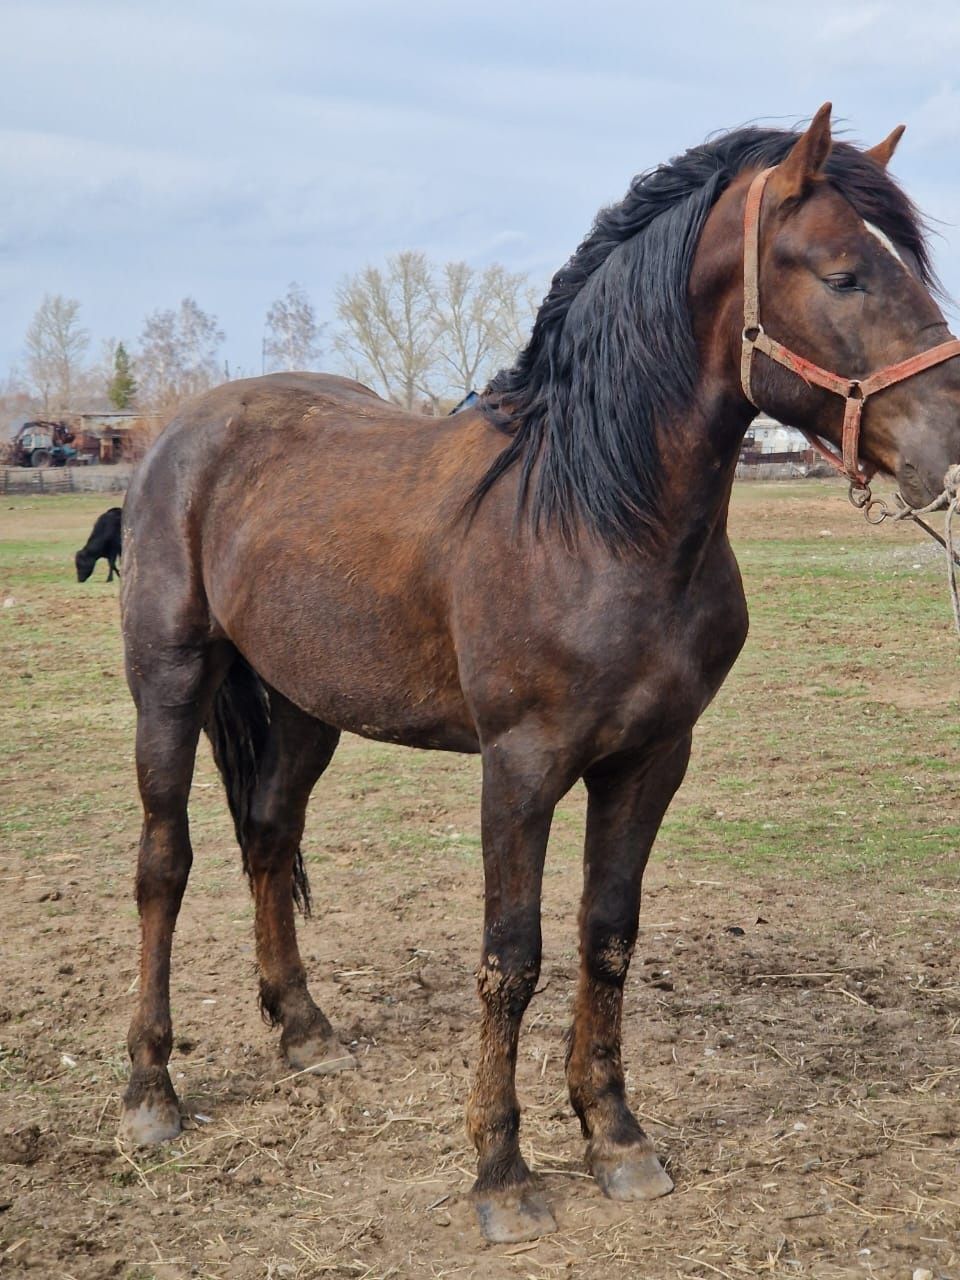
(517,808)
(627,800)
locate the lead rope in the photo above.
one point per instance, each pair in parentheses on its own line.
(875,511)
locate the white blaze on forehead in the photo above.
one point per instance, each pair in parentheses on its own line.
(884,240)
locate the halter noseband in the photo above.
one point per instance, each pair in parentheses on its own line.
(854,390)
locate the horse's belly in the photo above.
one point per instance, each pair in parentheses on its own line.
(433,720)
(376,665)
(361,696)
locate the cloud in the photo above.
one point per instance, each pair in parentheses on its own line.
(150,151)
(853,21)
(936,123)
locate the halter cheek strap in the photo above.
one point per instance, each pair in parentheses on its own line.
(854,390)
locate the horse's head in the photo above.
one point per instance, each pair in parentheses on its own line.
(833,295)
(85,563)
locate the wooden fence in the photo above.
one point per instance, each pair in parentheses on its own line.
(63,480)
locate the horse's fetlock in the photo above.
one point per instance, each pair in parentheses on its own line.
(501,1167)
(271,1003)
(605,1118)
(580,1100)
(291,1006)
(613,1132)
(153,1040)
(494,1129)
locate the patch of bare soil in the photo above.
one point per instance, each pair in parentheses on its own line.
(792,1047)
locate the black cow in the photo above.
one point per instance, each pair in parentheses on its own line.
(104,541)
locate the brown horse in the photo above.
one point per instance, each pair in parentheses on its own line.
(545,579)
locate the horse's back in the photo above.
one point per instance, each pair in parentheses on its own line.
(282,402)
(288,416)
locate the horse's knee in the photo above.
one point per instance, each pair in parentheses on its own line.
(510,964)
(607,943)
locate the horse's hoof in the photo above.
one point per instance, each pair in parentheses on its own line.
(319,1056)
(151,1112)
(632,1174)
(147,1125)
(517,1213)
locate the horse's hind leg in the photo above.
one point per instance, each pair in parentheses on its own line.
(171,696)
(627,801)
(298,749)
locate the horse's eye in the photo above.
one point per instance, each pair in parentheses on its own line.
(841,281)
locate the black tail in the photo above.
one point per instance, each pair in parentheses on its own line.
(238,726)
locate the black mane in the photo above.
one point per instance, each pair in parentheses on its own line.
(612,350)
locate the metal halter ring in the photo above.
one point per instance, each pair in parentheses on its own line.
(875,510)
(881,514)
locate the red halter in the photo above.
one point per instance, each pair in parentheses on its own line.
(853,390)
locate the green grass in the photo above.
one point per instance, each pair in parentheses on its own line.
(832,749)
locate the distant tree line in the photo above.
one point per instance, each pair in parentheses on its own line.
(420,333)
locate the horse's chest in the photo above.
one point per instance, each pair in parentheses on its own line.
(700,660)
(716,635)
(679,658)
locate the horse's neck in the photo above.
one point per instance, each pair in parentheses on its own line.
(698,454)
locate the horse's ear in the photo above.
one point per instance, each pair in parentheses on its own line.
(882,153)
(794,176)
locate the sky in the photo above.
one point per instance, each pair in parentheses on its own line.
(222,149)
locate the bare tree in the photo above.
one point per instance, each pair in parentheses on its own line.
(17,404)
(178,354)
(292,340)
(55,344)
(519,304)
(90,384)
(482,318)
(416,331)
(390,333)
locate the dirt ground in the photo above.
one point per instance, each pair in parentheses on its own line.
(792,1018)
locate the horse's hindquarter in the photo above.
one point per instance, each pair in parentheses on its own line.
(326,539)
